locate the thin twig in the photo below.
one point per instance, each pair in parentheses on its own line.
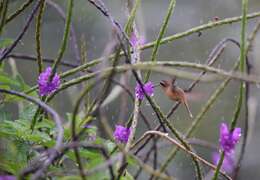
(38,36)
(18,11)
(72,33)
(166,136)
(65,38)
(22,33)
(249,67)
(33,58)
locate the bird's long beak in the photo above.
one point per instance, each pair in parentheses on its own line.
(156,85)
(163,83)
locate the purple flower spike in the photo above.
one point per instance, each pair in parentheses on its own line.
(121,134)
(228,162)
(46,87)
(228,139)
(7,177)
(135,41)
(148,88)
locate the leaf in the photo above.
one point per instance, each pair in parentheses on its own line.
(5,42)
(13,156)
(127,176)
(20,129)
(4,115)
(17,84)
(110,146)
(28,112)
(131,161)
(10,82)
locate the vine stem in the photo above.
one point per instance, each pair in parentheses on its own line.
(19,11)
(161,33)
(242,84)
(55,115)
(247,94)
(22,33)
(38,36)
(65,38)
(173,141)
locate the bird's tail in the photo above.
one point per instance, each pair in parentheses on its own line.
(188,109)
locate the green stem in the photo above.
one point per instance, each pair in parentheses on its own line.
(220,162)
(62,49)
(18,11)
(3,15)
(242,63)
(132,15)
(38,36)
(160,36)
(65,37)
(200,28)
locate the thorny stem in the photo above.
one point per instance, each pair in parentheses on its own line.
(72,31)
(18,11)
(33,58)
(242,63)
(21,34)
(38,36)
(173,141)
(65,38)
(222,157)
(61,50)
(160,67)
(247,91)
(161,34)
(3,15)
(242,84)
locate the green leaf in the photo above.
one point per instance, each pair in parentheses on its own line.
(20,129)
(131,161)
(110,146)
(4,115)
(28,112)
(5,42)
(127,176)
(17,84)
(13,155)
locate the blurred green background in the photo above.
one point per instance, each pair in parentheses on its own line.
(95,30)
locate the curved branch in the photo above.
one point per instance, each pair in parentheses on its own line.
(173,141)
(22,33)
(47,108)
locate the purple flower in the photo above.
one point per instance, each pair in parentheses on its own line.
(7,177)
(228,162)
(46,87)
(135,41)
(148,88)
(228,139)
(121,134)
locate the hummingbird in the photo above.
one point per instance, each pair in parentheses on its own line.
(175,93)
